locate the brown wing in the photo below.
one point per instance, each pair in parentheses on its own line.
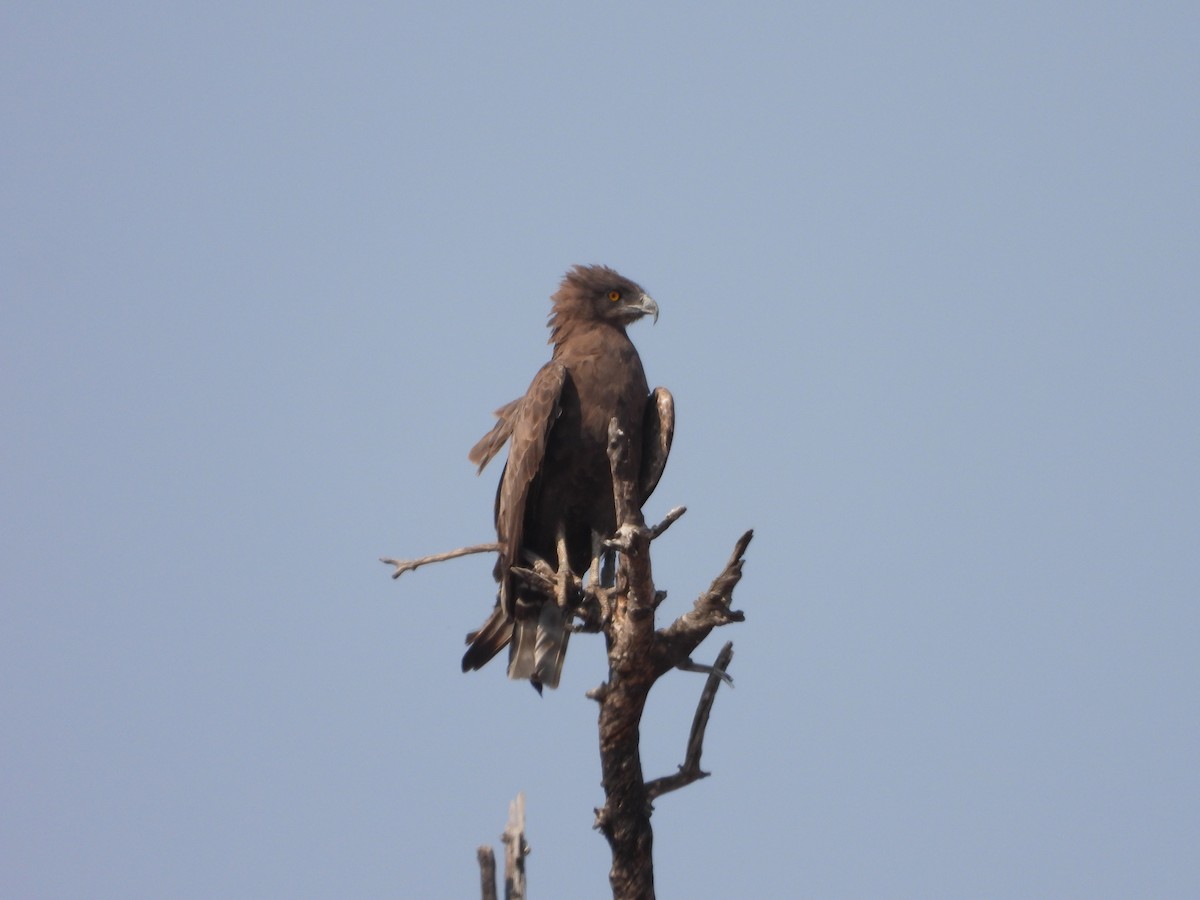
(658,429)
(527,422)
(489,445)
(531,420)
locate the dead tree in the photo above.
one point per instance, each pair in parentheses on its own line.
(638,655)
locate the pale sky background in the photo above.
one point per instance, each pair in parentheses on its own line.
(930,312)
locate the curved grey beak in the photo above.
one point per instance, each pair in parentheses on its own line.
(648,307)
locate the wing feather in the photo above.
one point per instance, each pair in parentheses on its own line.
(532,418)
(658,430)
(525,421)
(489,445)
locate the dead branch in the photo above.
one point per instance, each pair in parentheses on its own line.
(690,770)
(637,657)
(487,872)
(711,610)
(688,665)
(668,520)
(515,850)
(407,565)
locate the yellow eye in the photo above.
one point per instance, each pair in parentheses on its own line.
(614,296)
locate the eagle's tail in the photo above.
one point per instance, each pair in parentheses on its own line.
(539,646)
(489,640)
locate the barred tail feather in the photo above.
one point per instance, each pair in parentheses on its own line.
(522,652)
(539,647)
(551,647)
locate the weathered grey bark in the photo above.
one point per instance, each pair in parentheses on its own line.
(638,656)
(515,850)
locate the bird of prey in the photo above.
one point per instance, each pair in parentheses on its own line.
(557,481)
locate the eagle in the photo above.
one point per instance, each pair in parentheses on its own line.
(557,481)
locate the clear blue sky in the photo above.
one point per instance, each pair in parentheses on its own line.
(930,312)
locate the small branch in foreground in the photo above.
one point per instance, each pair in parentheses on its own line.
(407,565)
(690,770)
(515,850)
(688,665)
(487,872)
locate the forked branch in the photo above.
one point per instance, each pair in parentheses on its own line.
(690,770)
(712,609)
(637,657)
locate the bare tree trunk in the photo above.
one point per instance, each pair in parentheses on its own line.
(638,656)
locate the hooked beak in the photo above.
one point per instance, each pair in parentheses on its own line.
(648,307)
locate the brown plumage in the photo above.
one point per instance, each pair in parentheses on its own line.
(557,477)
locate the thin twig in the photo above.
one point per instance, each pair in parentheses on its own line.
(690,771)
(668,520)
(688,665)
(407,565)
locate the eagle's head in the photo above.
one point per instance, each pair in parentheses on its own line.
(598,293)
